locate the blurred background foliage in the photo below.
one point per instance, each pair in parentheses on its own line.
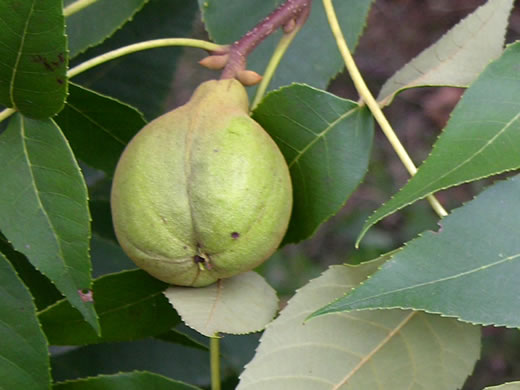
(397,30)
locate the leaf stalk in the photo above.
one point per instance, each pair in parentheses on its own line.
(371,102)
(214,353)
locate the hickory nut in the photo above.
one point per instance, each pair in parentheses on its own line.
(202,193)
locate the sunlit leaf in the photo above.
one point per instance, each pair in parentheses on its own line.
(469,269)
(384,349)
(326,142)
(242,304)
(24,360)
(481,139)
(505,386)
(43,206)
(33,57)
(459,56)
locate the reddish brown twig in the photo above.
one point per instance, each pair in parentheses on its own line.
(288,15)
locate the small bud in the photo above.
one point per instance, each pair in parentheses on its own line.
(215,62)
(289,26)
(248,77)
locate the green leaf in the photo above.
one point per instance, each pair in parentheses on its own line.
(130,306)
(505,386)
(142,79)
(468,269)
(326,141)
(102,219)
(459,56)
(98,127)
(106,15)
(43,206)
(386,349)
(42,290)
(136,380)
(481,139)
(177,337)
(313,57)
(172,360)
(24,360)
(34,60)
(242,304)
(108,257)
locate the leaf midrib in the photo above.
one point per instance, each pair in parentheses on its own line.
(444,279)
(19,55)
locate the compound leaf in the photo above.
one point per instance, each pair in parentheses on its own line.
(459,56)
(34,60)
(481,139)
(43,207)
(24,359)
(386,349)
(468,269)
(326,142)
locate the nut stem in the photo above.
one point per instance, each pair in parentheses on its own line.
(288,15)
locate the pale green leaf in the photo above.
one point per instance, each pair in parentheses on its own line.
(91,24)
(43,207)
(469,269)
(326,142)
(242,304)
(137,380)
(387,350)
(459,56)
(481,139)
(24,360)
(33,57)
(505,386)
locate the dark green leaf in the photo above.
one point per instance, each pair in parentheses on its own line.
(172,360)
(106,15)
(34,60)
(130,305)
(326,141)
(143,79)
(469,269)
(24,360)
(313,57)
(481,139)
(43,206)
(125,381)
(98,127)
(102,219)
(108,257)
(177,337)
(42,290)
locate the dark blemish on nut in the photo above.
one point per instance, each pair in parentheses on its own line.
(215,150)
(60,81)
(184,247)
(235,235)
(199,259)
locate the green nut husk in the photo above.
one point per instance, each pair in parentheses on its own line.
(202,192)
